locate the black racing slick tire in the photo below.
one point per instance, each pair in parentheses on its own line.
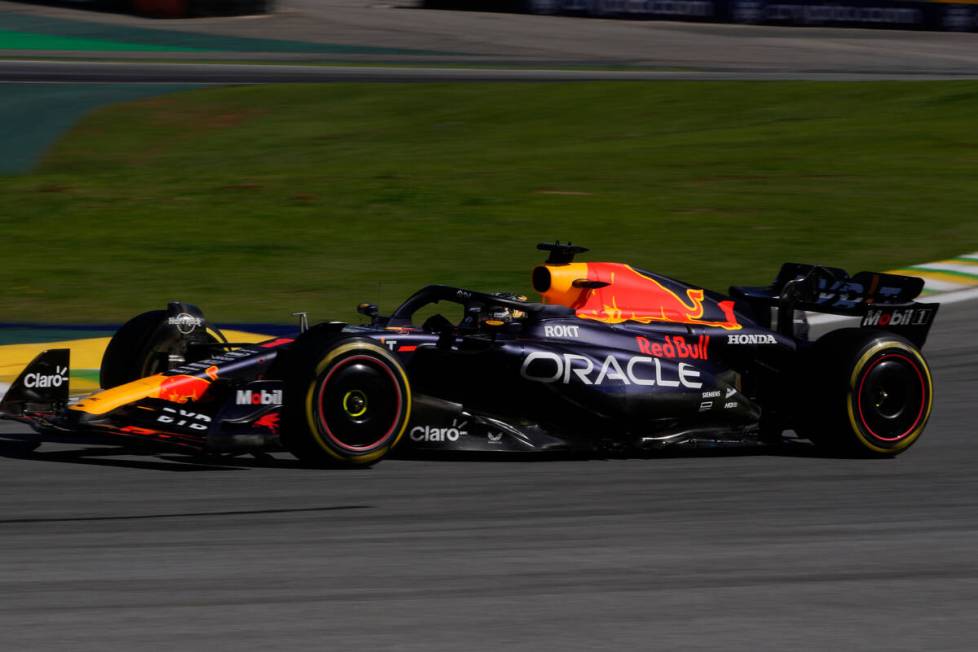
(146,345)
(870,393)
(347,400)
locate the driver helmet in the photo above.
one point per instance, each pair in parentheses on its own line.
(504,314)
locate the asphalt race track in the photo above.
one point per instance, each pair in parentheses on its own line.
(430,45)
(102,548)
(436,36)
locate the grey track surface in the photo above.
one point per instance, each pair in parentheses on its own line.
(548,41)
(101,550)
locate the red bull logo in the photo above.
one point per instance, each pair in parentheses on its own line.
(675,347)
(181,388)
(268,422)
(614,293)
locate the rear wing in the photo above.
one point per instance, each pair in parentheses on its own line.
(882,300)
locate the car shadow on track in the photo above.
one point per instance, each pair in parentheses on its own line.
(112,454)
(100,456)
(109,452)
(149,458)
(134,517)
(791,447)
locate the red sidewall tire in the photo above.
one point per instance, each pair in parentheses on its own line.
(917,400)
(348,403)
(869,393)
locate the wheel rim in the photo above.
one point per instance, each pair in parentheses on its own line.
(355,403)
(162,353)
(169,351)
(359,403)
(892,397)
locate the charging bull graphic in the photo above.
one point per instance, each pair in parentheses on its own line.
(178,388)
(182,388)
(614,293)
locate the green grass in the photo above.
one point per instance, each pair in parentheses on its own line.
(255,202)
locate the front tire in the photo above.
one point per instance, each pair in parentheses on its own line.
(871,393)
(147,345)
(347,400)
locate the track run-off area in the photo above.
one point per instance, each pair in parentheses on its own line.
(109,548)
(399,32)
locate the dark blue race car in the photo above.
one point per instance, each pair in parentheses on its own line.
(612,360)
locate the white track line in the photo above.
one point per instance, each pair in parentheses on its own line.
(940,285)
(947,266)
(971,294)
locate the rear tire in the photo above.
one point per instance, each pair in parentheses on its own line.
(347,400)
(870,393)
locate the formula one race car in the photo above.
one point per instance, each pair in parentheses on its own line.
(612,360)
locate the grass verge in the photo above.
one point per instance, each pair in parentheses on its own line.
(257,201)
